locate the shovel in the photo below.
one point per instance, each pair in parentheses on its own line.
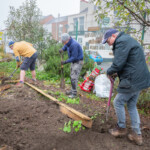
(110,94)
(62,82)
(7,78)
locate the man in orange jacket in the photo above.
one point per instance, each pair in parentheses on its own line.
(26,50)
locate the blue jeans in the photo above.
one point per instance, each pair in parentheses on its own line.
(131,100)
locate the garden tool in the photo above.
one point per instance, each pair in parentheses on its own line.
(62,82)
(8,78)
(110,95)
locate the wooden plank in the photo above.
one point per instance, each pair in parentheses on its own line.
(75,112)
(75,116)
(5,87)
(12,81)
(70,112)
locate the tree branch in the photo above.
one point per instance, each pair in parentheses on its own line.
(134,14)
(137,7)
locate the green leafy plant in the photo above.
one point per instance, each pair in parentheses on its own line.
(73,101)
(124,13)
(67,127)
(62,97)
(76,125)
(65,98)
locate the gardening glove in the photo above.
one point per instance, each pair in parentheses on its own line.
(63,62)
(61,51)
(114,76)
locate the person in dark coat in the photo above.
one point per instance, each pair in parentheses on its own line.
(75,54)
(130,66)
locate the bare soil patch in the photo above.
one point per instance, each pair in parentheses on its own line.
(29,121)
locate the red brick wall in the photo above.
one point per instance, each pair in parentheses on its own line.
(47,19)
(55,32)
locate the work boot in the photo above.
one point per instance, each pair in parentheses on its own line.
(118,132)
(72,96)
(19,85)
(135,138)
(68,92)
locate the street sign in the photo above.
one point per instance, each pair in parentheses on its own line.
(106,21)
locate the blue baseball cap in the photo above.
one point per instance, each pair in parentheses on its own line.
(108,34)
(11,43)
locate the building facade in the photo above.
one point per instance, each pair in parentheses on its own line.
(84,27)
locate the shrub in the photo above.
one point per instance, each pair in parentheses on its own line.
(53,62)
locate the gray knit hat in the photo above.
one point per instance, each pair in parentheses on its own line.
(65,37)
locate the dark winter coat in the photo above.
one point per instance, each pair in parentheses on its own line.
(130,65)
(75,52)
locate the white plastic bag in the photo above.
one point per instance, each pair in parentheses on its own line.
(102,86)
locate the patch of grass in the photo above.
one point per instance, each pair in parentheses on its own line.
(57,93)
(9,67)
(65,98)
(94,97)
(40,75)
(73,101)
(51,82)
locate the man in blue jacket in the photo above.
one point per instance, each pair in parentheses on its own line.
(75,54)
(130,66)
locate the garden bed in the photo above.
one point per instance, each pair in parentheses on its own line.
(30,121)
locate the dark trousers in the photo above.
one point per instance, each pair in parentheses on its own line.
(75,72)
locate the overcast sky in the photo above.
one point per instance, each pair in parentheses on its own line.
(47,7)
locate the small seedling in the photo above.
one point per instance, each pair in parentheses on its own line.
(77,125)
(94,116)
(67,127)
(57,93)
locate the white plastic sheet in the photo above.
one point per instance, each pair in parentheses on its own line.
(102,86)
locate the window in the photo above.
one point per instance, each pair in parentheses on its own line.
(75,23)
(80,40)
(81,24)
(60,29)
